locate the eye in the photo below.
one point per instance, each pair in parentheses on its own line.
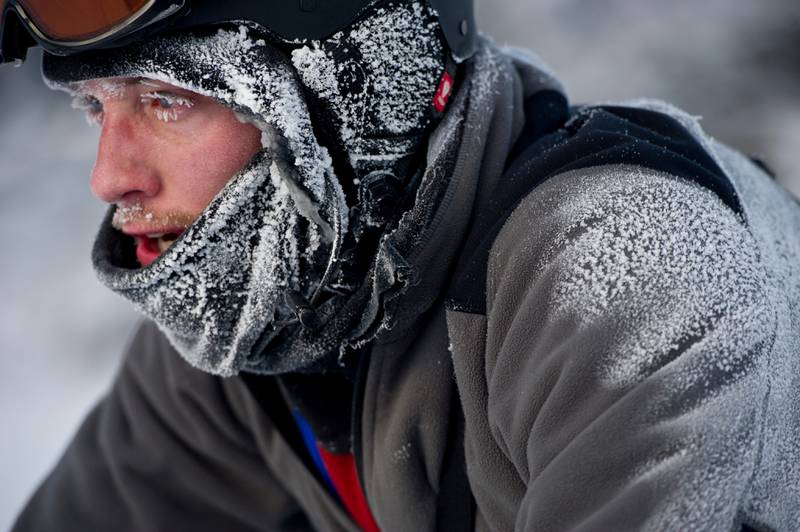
(89,105)
(166,106)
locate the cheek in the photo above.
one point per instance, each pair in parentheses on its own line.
(203,167)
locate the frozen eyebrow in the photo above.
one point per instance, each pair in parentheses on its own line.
(169,97)
(113,89)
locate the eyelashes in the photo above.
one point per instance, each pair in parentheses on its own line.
(164,106)
(90,106)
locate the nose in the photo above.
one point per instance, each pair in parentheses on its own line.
(122,171)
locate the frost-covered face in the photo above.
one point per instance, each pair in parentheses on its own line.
(266,213)
(164,154)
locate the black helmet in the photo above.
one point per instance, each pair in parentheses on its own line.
(63,28)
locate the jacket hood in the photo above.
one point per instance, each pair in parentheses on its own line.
(220,291)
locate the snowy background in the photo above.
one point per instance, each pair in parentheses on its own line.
(735,62)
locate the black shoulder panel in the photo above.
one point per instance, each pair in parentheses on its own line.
(593,136)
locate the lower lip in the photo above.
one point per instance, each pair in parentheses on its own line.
(147,251)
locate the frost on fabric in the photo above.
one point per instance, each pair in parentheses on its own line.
(403,454)
(666,294)
(399,62)
(223,277)
(487,70)
(224,280)
(706,304)
(668,267)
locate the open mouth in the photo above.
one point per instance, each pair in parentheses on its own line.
(150,246)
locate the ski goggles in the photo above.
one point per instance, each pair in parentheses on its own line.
(63,27)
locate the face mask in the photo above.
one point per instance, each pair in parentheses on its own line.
(375,83)
(223,283)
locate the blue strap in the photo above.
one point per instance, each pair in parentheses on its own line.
(310,440)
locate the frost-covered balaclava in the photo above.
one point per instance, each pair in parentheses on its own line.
(375,82)
(249,285)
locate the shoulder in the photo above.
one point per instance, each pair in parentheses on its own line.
(609,144)
(641,263)
(605,231)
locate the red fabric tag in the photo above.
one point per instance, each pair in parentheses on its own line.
(444,93)
(342,470)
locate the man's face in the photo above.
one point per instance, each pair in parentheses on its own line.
(164,154)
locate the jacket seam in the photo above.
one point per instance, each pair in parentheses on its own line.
(765,402)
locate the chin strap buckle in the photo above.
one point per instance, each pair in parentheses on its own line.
(303,310)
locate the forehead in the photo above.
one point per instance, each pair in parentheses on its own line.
(108,88)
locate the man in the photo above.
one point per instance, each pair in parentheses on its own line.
(394,282)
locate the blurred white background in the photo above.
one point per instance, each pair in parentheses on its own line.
(734,62)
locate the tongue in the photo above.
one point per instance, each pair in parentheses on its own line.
(147,251)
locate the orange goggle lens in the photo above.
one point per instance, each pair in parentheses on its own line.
(78,20)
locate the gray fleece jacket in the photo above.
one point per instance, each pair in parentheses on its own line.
(590,320)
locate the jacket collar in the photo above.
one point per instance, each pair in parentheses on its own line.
(467,155)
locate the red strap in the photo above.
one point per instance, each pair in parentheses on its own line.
(342,470)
